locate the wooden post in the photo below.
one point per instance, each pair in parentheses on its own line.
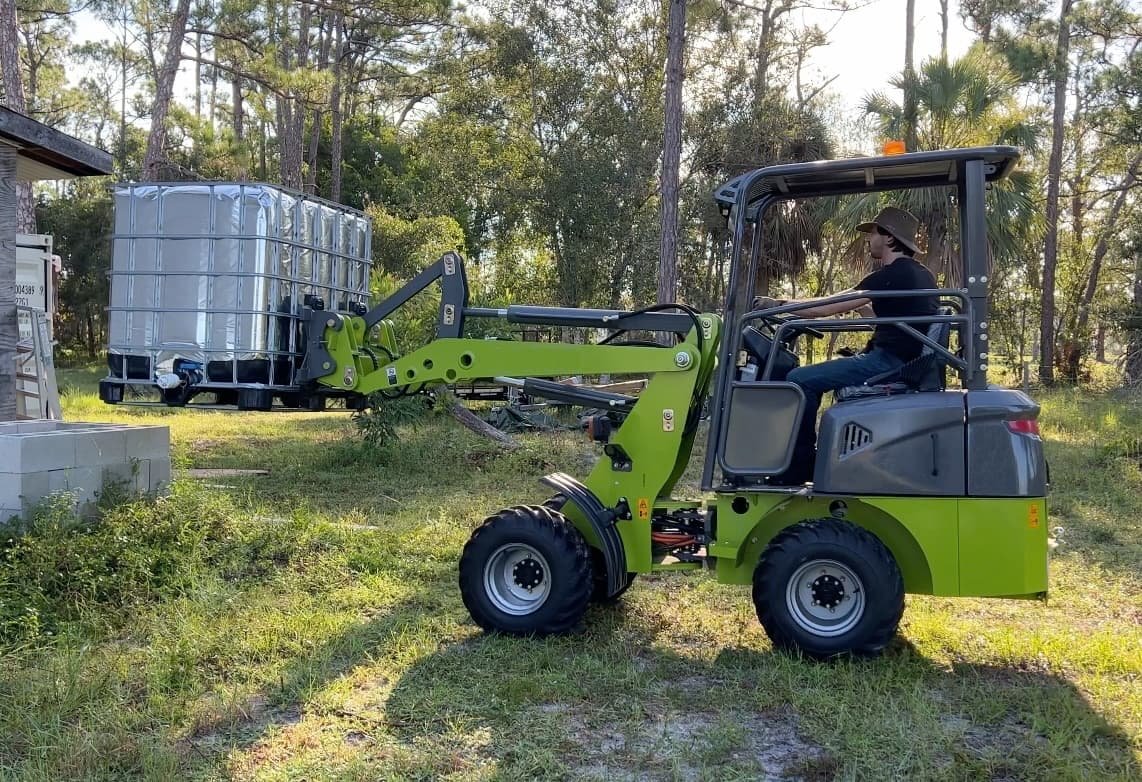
(9,325)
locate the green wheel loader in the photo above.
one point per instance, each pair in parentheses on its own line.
(918,487)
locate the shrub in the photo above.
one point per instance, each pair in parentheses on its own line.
(378,423)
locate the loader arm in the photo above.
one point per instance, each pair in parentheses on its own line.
(644,457)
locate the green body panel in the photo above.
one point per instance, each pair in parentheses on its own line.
(386,336)
(948,546)
(1003,547)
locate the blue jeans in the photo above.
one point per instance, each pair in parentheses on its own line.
(817,379)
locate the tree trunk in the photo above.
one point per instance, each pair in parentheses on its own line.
(123,100)
(1133,364)
(1108,228)
(236,99)
(198,74)
(479,426)
(291,115)
(14,98)
(768,22)
(909,77)
(1054,167)
(263,153)
(9,324)
(311,155)
(335,149)
(160,107)
(326,38)
(672,152)
(944,30)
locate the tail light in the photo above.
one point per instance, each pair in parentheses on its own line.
(1029,426)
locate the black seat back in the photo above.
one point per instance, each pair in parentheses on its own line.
(926,371)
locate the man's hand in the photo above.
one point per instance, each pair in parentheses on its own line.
(766,302)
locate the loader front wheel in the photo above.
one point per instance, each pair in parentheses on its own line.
(526,570)
(828,588)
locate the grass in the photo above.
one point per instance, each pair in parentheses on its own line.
(307,626)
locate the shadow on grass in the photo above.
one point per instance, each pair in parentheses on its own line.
(621,699)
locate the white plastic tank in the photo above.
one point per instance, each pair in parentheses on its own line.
(217,273)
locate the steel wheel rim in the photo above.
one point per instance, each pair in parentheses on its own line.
(517,579)
(825,598)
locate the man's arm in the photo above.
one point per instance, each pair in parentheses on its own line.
(833,308)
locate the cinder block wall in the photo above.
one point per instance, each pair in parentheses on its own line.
(42,458)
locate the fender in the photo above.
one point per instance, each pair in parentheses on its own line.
(602,520)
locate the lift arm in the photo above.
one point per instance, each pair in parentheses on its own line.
(646,455)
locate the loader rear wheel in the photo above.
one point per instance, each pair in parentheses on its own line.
(526,570)
(828,588)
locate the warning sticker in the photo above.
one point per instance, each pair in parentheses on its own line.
(643,508)
(1033,517)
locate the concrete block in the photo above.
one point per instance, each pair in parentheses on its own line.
(96,447)
(48,457)
(45,451)
(10,489)
(34,488)
(160,475)
(142,481)
(30,427)
(83,483)
(148,442)
(23,490)
(124,474)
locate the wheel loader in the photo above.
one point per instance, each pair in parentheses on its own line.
(920,486)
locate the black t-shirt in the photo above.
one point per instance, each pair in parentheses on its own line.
(903,274)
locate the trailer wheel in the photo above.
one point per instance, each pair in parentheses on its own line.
(526,570)
(828,588)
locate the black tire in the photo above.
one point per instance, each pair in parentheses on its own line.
(515,554)
(836,565)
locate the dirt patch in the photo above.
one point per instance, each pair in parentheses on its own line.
(689,746)
(1003,740)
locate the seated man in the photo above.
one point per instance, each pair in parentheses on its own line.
(892,243)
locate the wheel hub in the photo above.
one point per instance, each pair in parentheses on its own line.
(825,597)
(527,573)
(517,579)
(828,591)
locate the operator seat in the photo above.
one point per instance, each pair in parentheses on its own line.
(923,373)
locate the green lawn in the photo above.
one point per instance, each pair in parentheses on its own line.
(307,625)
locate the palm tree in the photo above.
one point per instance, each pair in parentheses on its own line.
(735,136)
(968,102)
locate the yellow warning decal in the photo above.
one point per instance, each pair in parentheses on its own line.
(643,508)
